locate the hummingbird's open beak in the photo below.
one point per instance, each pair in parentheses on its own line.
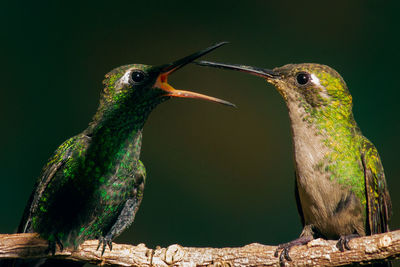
(264,73)
(165,70)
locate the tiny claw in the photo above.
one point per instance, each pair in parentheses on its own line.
(53,243)
(340,243)
(60,245)
(276,254)
(346,244)
(343,242)
(104,241)
(284,256)
(103,249)
(287,246)
(51,248)
(285,252)
(280,246)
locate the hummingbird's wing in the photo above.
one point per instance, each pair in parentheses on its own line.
(378,200)
(53,166)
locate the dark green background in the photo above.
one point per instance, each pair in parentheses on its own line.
(216,176)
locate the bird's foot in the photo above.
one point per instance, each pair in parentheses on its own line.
(287,246)
(343,242)
(103,242)
(53,242)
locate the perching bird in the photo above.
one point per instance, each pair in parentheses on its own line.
(340,186)
(92,187)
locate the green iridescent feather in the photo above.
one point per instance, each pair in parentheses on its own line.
(340,184)
(92,187)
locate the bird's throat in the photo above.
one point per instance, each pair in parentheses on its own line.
(114,134)
(326,146)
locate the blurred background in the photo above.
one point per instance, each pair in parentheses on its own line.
(217,176)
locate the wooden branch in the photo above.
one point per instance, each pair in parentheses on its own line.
(318,252)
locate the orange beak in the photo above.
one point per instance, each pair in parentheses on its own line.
(166,70)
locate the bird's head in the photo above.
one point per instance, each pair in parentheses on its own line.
(313,85)
(142,87)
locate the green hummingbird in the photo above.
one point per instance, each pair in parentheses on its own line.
(92,187)
(340,185)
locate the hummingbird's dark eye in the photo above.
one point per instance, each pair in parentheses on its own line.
(137,76)
(302,78)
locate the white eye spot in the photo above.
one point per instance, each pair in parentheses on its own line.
(315,80)
(323,93)
(125,79)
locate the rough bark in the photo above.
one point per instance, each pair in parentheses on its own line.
(317,253)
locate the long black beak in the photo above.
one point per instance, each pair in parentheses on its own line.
(170,68)
(167,69)
(264,73)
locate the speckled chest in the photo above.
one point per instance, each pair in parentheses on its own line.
(319,190)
